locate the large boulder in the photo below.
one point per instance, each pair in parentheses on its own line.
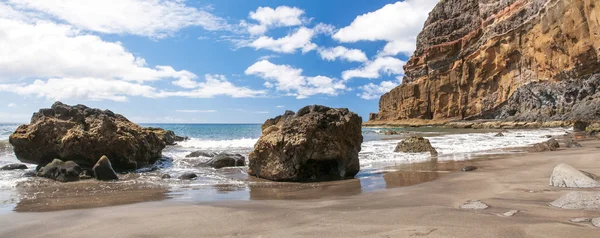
(566,176)
(317,143)
(60,171)
(579,201)
(82,134)
(415,144)
(225,160)
(104,171)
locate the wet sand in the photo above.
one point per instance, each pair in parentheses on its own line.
(518,182)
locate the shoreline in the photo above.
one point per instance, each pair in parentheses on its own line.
(475,124)
(517,182)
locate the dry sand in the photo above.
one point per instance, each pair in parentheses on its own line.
(430,209)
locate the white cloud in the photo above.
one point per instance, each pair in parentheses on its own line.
(80,88)
(398,24)
(196,111)
(151,18)
(46,50)
(300,39)
(256,112)
(341,52)
(289,79)
(280,106)
(373,91)
(267,17)
(12,105)
(214,85)
(373,69)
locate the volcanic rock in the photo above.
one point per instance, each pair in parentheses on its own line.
(103,170)
(316,143)
(188,176)
(225,160)
(60,171)
(83,135)
(13,167)
(566,176)
(415,144)
(550,145)
(167,136)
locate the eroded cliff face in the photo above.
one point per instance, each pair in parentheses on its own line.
(473,55)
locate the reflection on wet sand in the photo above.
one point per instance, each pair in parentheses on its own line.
(42,195)
(263,190)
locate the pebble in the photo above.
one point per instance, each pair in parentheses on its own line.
(474,205)
(510,213)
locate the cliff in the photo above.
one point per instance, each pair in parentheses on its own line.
(521,60)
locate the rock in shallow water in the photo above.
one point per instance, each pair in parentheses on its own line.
(200,154)
(60,171)
(188,176)
(103,170)
(14,167)
(316,143)
(225,160)
(415,144)
(550,145)
(578,201)
(566,176)
(83,135)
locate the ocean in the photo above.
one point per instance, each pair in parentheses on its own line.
(381,168)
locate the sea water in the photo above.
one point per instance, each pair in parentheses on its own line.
(377,157)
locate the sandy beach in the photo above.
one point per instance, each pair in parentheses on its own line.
(516,182)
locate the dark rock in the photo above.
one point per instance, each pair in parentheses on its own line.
(570,143)
(188,176)
(390,132)
(469,168)
(167,136)
(225,160)
(580,126)
(103,170)
(83,135)
(500,134)
(60,171)
(415,144)
(13,167)
(196,154)
(29,174)
(550,145)
(86,174)
(315,144)
(165,176)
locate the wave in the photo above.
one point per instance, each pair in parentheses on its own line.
(195,143)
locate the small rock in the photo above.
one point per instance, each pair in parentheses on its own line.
(474,205)
(165,176)
(225,160)
(500,134)
(580,219)
(550,145)
(415,144)
(571,143)
(596,222)
(104,171)
(510,213)
(29,174)
(469,168)
(14,167)
(86,174)
(60,171)
(580,126)
(188,176)
(548,136)
(566,176)
(390,132)
(578,201)
(196,154)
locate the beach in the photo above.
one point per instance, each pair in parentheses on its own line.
(429,209)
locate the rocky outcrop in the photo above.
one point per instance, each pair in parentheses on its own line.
(566,176)
(200,154)
(579,201)
(550,145)
(82,134)
(168,136)
(316,143)
(104,171)
(415,144)
(60,171)
(534,60)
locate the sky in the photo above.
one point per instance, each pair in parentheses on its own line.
(203,61)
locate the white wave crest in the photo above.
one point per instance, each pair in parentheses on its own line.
(244,143)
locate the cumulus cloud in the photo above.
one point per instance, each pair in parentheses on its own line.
(12,105)
(352,55)
(150,18)
(373,91)
(398,24)
(214,85)
(375,68)
(300,39)
(196,111)
(282,16)
(290,80)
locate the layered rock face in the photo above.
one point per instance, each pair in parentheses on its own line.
(83,135)
(501,59)
(316,143)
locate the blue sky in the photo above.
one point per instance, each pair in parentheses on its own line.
(199,61)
